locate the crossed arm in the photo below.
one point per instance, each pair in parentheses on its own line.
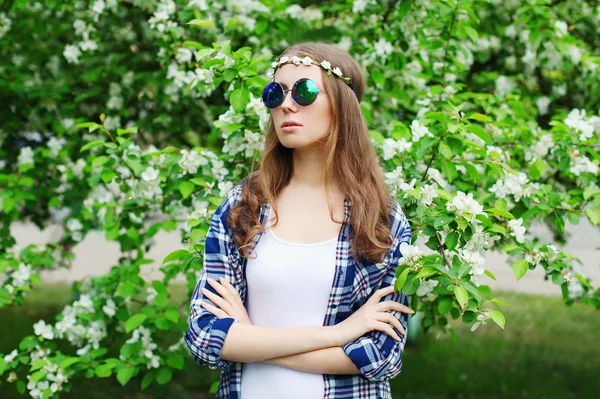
(311,349)
(319,349)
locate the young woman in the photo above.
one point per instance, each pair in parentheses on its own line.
(296,297)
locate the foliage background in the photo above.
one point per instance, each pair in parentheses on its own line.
(136,116)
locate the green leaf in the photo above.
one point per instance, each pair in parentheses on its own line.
(490,275)
(125,290)
(452,240)
(239,99)
(378,77)
(177,254)
(229,74)
(186,188)
(69,362)
(231,23)
(498,317)
(91,145)
(461,296)
(501,212)
(401,279)
(177,362)
(443,220)
(444,306)
(479,132)
(131,130)
(520,267)
(99,161)
(147,380)
(583,281)
(449,169)
(163,376)
(472,33)
(200,22)
(103,370)
(479,117)
(107,175)
(135,321)
(591,191)
(125,374)
(593,215)
(2,365)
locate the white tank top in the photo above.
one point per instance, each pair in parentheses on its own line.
(288,286)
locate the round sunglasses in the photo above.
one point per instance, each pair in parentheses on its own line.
(304,92)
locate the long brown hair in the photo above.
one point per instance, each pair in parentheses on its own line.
(350,159)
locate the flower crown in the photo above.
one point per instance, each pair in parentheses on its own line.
(326,65)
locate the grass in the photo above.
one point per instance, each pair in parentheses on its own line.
(547,350)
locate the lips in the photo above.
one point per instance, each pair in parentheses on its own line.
(289,123)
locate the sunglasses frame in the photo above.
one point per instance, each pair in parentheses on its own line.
(294,86)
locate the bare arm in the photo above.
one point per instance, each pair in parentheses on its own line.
(249,343)
(331,360)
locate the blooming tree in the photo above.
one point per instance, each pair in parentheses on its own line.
(137,116)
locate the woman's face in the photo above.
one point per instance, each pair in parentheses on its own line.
(314,118)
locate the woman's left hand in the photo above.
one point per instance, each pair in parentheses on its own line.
(229,303)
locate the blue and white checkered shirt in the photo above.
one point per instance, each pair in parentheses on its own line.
(376,355)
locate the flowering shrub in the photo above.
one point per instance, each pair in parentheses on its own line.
(136,116)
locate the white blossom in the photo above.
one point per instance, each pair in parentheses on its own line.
(576,120)
(150,174)
(482,319)
(426,287)
(504,86)
(22,275)
(71,54)
(43,330)
(427,194)
(465,205)
(359,6)
(25,156)
(56,145)
(11,356)
(110,309)
(191,161)
(419,130)
(391,147)
(517,229)
(410,254)
(542,104)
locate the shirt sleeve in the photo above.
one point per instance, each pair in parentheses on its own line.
(206,332)
(377,355)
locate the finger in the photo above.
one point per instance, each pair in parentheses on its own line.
(234,292)
(376,297)
(384,327)
(214,310)
(390,319)
(393,305)
(218,287)
(217,300)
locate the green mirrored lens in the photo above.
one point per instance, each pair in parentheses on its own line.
(305,91)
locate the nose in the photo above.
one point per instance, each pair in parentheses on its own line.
(288,102)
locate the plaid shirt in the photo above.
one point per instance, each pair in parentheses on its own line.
(376,355)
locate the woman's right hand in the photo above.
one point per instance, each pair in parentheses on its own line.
(371,316)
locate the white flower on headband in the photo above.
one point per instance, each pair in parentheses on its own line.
(326,64)
(296,60)
(307,61)
(337,71)
(274,64)
(283,60)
